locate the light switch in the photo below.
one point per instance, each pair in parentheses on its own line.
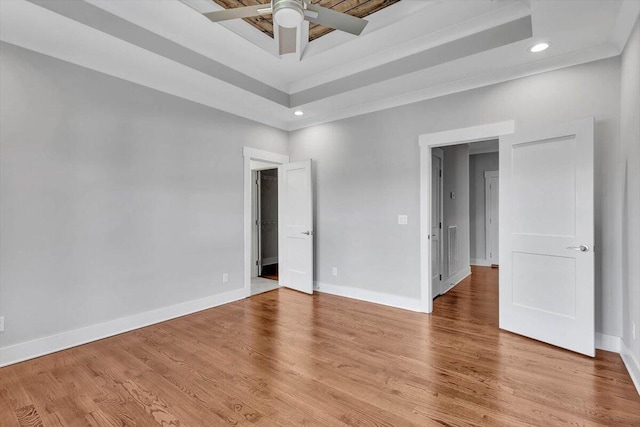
(403,219)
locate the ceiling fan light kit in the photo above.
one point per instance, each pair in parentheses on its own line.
(291,14)
(288,13)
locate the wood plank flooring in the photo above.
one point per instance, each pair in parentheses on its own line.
(284,358)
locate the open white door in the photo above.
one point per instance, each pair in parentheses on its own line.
(492,216)
(547,235)
(436,221)
(296,219)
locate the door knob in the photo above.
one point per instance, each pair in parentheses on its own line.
(308,233)
(581,248)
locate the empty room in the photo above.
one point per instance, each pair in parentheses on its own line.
(319,213)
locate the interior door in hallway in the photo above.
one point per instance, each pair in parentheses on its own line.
(436,221)
(491,181)
(296,248)
(547,235)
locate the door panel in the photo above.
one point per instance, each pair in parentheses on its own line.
(546,173)
(296,252)
(546,208)
(436,221)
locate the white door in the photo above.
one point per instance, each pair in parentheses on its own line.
(296,216)
(436,221)
(491,184)
(547,235)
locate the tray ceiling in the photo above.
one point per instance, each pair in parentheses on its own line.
(411,51)
(359,8)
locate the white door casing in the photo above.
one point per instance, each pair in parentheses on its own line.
(547,235)
(491,191)
(254,159)
(436,218)
(296,216)
(427,142)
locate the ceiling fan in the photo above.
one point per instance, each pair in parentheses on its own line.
(289,14)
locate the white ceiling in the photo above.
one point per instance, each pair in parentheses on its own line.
(410,51)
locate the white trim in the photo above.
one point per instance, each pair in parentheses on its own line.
(465,135)
(264,156)
(426,143)
(456,279)
(46,345)
(253,154)
(608,342)
(405,303)
(632,364)
(480,262)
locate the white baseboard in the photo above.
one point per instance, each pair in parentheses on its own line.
(632,364)
(370,296)
(46,345)
(480,262)
(608,342)
(456,278)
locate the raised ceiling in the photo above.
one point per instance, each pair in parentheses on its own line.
(359,8)
(410,51)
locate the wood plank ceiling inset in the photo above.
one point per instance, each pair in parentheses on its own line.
(359,8)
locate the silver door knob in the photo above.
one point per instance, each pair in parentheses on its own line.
(308,233)
(581,248)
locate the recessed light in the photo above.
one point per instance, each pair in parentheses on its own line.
(539,47)
(298,113)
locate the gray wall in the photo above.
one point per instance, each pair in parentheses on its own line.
(367,172)
(455,212)
(478,165)
(116,199)
(630,135)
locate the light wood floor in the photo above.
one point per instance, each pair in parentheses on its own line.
(284,358)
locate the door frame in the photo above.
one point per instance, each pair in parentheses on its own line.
(487,211)
(254,154)
(439,153)
(442,139)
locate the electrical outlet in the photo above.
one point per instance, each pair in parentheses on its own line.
(225,277)
(2,324)
(334,271)
(633,330)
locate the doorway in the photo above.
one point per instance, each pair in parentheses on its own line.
(256,161)
(464,202)
(427,143)
(294,256)
(546,279)
(265,231)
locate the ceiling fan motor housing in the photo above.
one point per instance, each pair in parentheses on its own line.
(288,13)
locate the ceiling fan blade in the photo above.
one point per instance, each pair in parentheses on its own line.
(339,21)
(288,38)
(239,12)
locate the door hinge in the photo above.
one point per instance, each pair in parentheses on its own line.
(440,225)
(441,277)
(440,173)
(256,262)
